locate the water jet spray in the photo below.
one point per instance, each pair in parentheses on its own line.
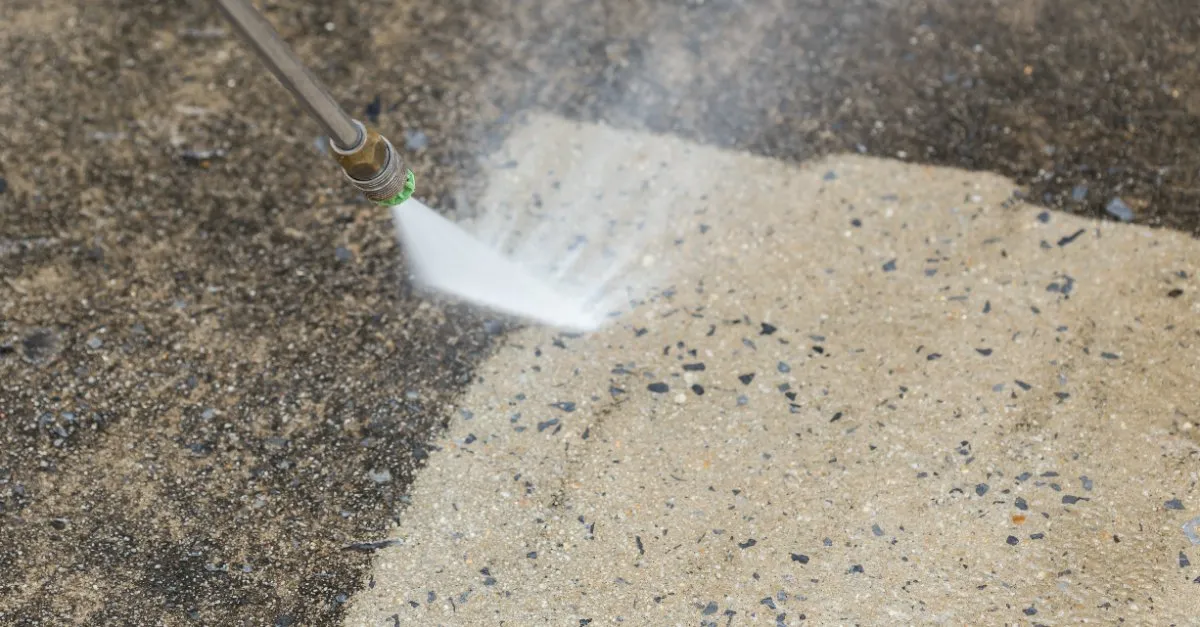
(443,257)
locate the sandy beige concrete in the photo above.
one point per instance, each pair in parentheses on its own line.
(874,393)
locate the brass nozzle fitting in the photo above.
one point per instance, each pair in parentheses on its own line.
(375,168)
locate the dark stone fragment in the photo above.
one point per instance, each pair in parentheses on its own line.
(767,329)
(658,388)
(1012,540)
(39,347)
(890,266)
(373,109)
(1070,238)
(746,378)
(800,557)
(1173,504)
(368,547)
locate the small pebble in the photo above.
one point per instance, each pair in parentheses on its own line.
(415,140)
(373,109)
(658,388)
(1173,504)
(1119,210)
(1012,540)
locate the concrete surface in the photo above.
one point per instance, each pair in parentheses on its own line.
(210,360)
(870,393)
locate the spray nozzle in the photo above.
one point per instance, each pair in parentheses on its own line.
(368,158)
(375,168)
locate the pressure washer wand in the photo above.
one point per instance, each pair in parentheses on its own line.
(369,160)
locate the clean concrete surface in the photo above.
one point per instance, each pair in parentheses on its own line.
(961,411)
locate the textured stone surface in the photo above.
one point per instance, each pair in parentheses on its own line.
(223,333)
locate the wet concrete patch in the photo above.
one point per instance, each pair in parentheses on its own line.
(961,438)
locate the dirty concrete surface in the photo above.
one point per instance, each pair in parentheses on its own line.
(870,393)
(214,381)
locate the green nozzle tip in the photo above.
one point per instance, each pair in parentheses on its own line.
(410,185)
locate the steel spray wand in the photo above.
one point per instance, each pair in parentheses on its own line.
(369,160)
